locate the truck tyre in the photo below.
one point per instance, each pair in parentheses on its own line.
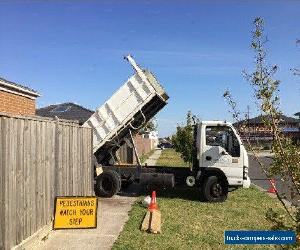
(215,189)
(108,184)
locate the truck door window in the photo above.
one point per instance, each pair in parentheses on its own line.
(224,137)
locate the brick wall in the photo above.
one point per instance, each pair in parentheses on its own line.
(15,104)
(143,145)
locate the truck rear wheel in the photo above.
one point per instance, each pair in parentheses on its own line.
(108,184)
(215,189)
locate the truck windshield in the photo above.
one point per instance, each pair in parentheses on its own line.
(224,137)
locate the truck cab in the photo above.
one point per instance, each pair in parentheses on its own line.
(221,161)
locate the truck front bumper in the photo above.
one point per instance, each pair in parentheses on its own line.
(246,183)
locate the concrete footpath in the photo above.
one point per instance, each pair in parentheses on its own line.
(111,217)
(153,158)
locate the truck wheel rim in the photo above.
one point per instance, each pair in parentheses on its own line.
(217,190)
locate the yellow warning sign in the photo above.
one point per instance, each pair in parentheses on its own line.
(75,212)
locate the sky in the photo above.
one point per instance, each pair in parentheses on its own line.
(72,51)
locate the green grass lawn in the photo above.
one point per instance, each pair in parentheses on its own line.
(170,158)
(188,223)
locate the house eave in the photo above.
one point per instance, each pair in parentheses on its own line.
(18,90)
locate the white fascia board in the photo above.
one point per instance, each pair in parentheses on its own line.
(18,93)
(25,92)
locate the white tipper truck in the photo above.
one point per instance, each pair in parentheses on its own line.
(220,161)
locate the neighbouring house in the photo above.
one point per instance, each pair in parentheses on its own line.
(68,111)
(17,99)
(255,130)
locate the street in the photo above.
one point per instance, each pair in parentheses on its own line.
(258,178)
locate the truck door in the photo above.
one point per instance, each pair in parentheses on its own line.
(222,150)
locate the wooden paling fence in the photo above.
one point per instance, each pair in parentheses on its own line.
(39,160)
(125,154)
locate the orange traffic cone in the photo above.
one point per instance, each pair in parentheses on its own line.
(272,188)
(153,205)
(152,219)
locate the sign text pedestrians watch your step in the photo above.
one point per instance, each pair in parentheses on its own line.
(75,212)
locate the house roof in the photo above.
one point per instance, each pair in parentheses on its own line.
(18,89)
(260,119)
(68,111)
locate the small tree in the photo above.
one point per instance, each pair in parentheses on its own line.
(296,71)
(286,161)
(183,139)
(149,126)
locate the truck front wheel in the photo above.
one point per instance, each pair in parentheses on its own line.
(108,184)
(215,189)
